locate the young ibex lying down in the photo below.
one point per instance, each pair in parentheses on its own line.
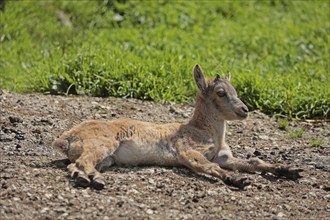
(199,145)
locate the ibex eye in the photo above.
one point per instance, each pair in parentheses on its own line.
(221,93)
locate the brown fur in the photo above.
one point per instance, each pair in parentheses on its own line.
(199,145)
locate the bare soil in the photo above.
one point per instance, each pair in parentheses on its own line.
(34,182)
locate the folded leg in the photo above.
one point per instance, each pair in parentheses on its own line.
(199,164)
(86,169)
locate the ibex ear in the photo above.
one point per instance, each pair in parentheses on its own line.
(228,76)
(199,78)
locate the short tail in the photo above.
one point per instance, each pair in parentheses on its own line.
(62,145)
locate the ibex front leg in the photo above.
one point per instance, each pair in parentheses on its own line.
(199,164)
(227,161)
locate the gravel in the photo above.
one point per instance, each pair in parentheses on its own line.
(34,182)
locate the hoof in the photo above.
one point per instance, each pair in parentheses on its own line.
(289,172)
(236,181)
(98,183)
(83,181)
(74,174)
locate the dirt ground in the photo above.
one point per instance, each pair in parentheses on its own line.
(34,182)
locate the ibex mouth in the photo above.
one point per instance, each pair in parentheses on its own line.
(242,114)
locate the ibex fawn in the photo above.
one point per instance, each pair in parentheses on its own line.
(199,145)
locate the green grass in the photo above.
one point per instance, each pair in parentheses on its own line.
(277,51)
(283,124)
(298,133)
(316,142)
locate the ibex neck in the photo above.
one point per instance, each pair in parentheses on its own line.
(216,128)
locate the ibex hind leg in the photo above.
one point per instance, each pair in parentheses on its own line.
(86,169)
(80,177)
(90,174)
(74,153)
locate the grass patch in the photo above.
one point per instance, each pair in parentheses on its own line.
(277,51)
(316,142)
(298,133)
(283,124)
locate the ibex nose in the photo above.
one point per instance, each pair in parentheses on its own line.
(245,109)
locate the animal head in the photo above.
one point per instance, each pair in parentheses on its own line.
(219,97)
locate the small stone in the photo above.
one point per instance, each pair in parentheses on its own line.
(19,137)
(46,121)
(312,194)
(151,181)
(133,191)
(48,195)
(280,215)
(287,207)
(319,166)
(36,131)
(5,130)
(257,153)
(43,210)
(212,192)
(263,137)
(14,119)
(5,138)
(326,188)
(64,214)
(195,199)
(150,211)
(16,131)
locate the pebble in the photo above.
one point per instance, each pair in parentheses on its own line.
(287,207)
(211,192)
(6,137)
(18,146)
(263,137)
(16,199)
(319,166)
(257,153)
(19,137)
(43,210)
(280,215)
(48,195)
(14,119)
(151,181)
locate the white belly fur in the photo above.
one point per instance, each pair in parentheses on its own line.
(131,153)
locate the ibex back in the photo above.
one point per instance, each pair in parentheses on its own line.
(199,144)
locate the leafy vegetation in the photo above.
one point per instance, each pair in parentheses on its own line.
(277,51)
